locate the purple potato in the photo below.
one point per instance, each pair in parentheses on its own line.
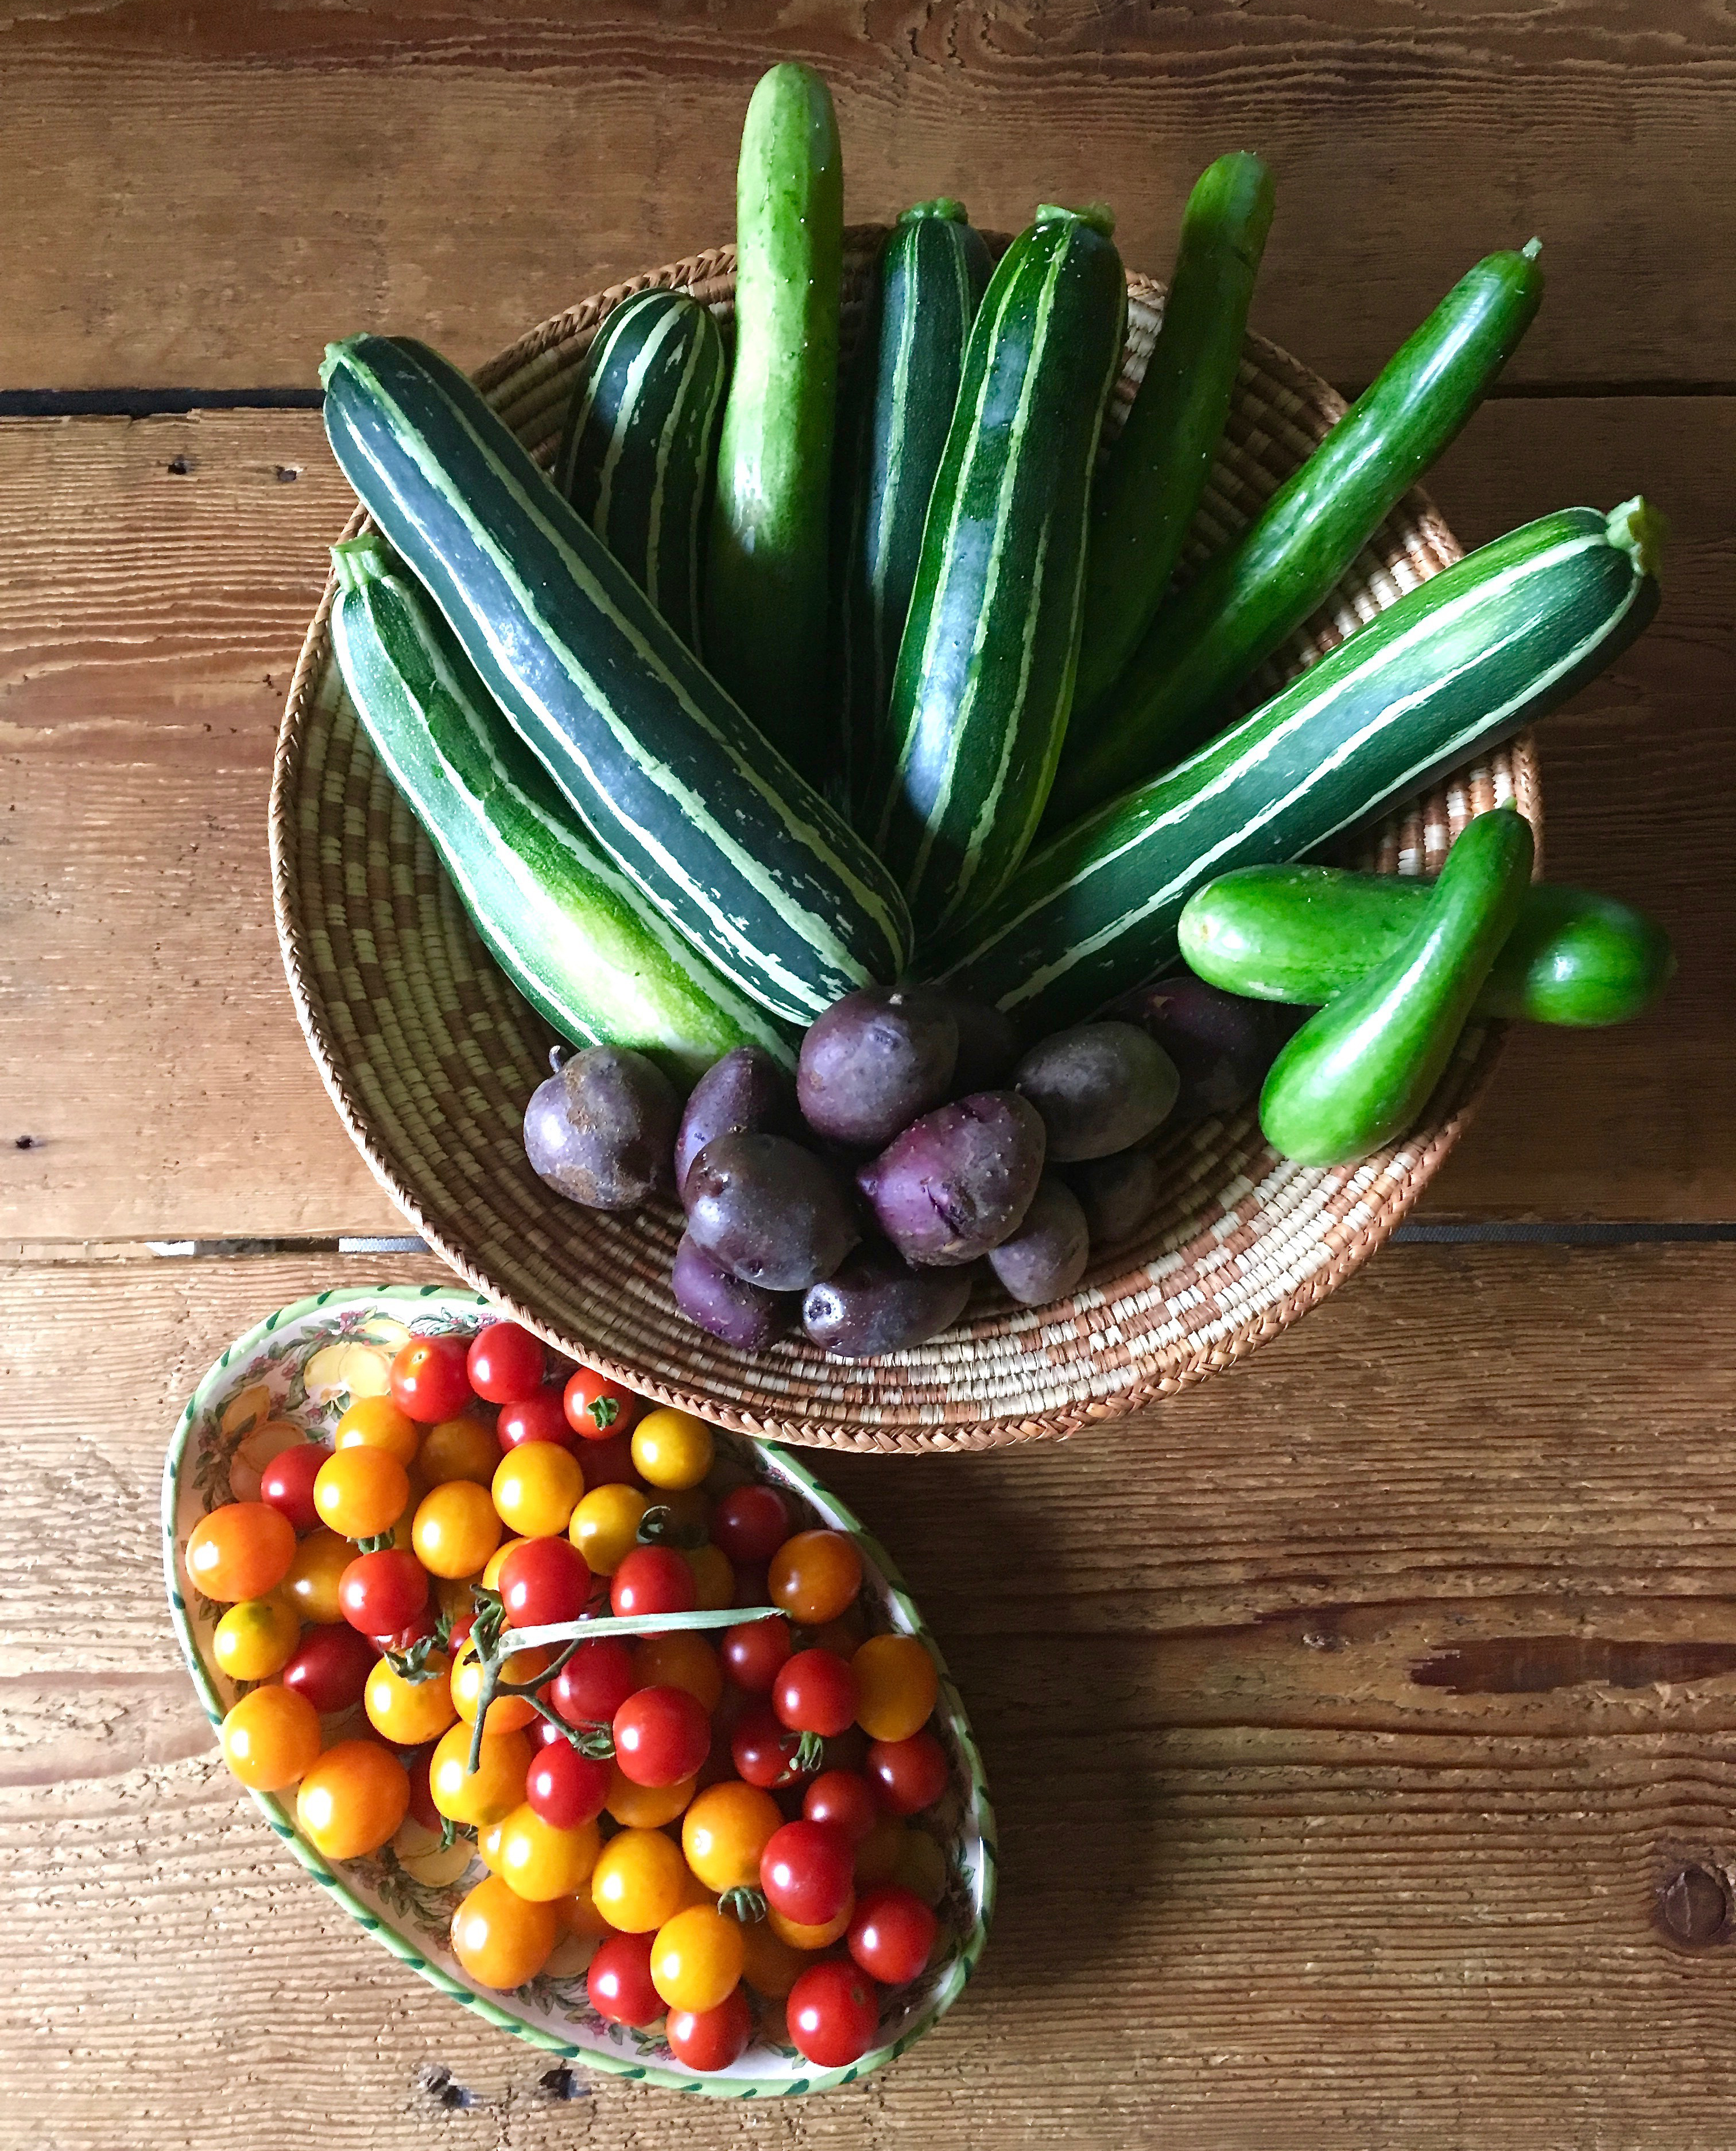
(959,1180)
(772,1213)
(1100,1087)
(1118,1194)
(745,1093)
(874,1062)
(878,1303)
(601,1129)
(741,1314)
(1045,1257)
(988,1042)
(1222,1045)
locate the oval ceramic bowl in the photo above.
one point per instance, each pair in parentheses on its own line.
(292,1376)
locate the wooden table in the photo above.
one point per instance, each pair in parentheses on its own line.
(1362,1727)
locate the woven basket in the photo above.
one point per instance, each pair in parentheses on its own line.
(429,1055)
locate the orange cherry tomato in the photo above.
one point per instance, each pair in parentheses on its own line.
(271,1738)
(376,1423)
(494,1788)
(542,1862)
(507,1714)
(497,1561)
(879,1853)
(811,1938)
(314,1575)
(639,1880)
(725,1831)
(241,1551)
(362,1492)
(896,1686)
(713,1578)
(353,1799)
(813,1577)
(683,1659)
(644,1807)
(535,1488)
(697,1958)
(409,1713)
(459,1449)
(500,1938)
(456,1529)
(771,1966)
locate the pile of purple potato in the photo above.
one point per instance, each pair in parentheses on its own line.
(919,1141)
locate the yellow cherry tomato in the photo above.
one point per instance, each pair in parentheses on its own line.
(454,1596)
(255,1638)
(605,1524)
(376,1423)
(637,1883)
(542,1862)
(500,1938)
(271,1738)
(896,1686)
(537,1487)
(683,1659)
(507,1714)
(459,1449)
(771,1967)
(813,1577)
(697,1958)
(811,1938)
(408,1713)
(497,1561)
(578,1915)
(725,1831)
(241,1551)
(314,1574)
(921,1867)
(645,1807)
(456,1529)
(493,1790)
(672,1449)
(362,1492)
(489,1841)
(693,1890)
(713,1578)
(353,1799)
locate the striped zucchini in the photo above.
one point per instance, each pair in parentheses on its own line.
(635,457)
(1205,642)
(1465,660)
(589,953)
(753,869)
(985,674)
(896,409)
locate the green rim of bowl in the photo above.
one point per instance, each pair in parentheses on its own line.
(461,1306)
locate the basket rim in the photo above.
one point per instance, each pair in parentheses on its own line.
(710,276)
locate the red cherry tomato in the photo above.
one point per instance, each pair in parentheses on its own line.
(422,1793)
(383,1594)
(594,1683)
(597,1408)
(833,2013)
(844,1799)
(807,1871)
(815,1692)
(750,1525)
(430,1380)
(287,1483)
(330,1667)
(619,1981)
(505,1361)
(543,1732)
(610,1464)
(907,1774)
(653,1579)
(537,1417)
(764,1751)
(662,1735)
(891,1933)
(565,1788)
(753,1654)
(544,1580)
(707,2039)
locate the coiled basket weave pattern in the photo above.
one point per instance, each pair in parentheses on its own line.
(430,1057)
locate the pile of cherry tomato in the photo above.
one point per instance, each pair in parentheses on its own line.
(714,1813)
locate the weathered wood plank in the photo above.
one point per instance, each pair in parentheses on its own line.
(163,572)
(206,197)
(1275,1865)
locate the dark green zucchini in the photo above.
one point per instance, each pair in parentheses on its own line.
(1203,643)
(635,456)
(1305,935)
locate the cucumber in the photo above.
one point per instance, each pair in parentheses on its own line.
(893,416)
(583,946)
(1465,660)
(765,578)
(696,809)
(1203,643)
(1155,474)
(985,674)
(635,455)
(1358,1073)
(1305,935)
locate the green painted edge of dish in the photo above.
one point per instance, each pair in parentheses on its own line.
(282,1820)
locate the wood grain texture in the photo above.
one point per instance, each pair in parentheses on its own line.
(207,195)
(1267,1873)
(164,570)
